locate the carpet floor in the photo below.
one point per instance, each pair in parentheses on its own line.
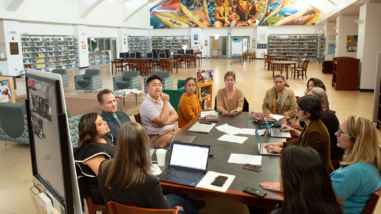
(78,106)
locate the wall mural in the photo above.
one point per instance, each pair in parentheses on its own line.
(231,13)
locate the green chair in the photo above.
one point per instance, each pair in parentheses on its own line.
(175,94)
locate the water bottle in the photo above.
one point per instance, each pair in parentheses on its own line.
(251,114)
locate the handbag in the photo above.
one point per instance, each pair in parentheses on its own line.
(211,118)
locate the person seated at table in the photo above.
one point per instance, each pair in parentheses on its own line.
(314,134)
(359,175)
(331,123)
(156,113)
(280,100)
(110,113)
(230,99)
(314,82)
(189,106)
(305,183)
(128,178)
(94,146)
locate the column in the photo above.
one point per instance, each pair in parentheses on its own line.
(10,33)
(80,32)
(369,43)
(330,36)
(345,26)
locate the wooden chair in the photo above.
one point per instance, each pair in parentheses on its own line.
(270,59)
(288,58)
(299,65)
(93,208)
(303,69)
(146,68)
(187,60)
(137,118)
(131,65)
(165,65)
(265,59)
(372,202)
(118,65)
(118,208)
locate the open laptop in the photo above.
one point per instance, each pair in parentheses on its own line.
(261,146)
(277,132)
(187,165)
(202,127)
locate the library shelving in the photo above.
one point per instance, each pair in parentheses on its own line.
(321,48)
(49,52)
(172,43)
(141,44)
(298,46)
(97,58)
(345,74)
(205,94)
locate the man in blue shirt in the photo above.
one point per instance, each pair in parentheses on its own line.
(110,113)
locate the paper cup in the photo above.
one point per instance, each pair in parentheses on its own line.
(151,151)
(160,153)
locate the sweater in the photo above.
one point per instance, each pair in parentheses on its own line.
(234,104)
(189,108)
(355,184)
(315,136)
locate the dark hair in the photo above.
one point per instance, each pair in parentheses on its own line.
(282,77)
(154,77)
(307,186)
(87,130)
(103,92)
(317,83)
(310,103)
(188,79)
(132,158)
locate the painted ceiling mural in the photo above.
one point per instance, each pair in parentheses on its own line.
(231,13)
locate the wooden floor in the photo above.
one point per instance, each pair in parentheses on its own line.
(252,78)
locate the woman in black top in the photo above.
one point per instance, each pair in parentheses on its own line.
(306,184)
(127,179)
(95,145)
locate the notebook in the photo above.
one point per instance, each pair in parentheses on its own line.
(201,127)
(187,165)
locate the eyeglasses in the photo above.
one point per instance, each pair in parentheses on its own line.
(343,134)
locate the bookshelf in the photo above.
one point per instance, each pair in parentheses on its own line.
(140,44)
(49,52)
(173,43)
(345,74)
(321,48)
(97,58)
(205,94)
(298,46)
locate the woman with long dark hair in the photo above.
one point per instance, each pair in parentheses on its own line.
(95,145)
(305,182)
(189,106)
(128,179)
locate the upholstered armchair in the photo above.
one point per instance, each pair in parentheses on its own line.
(91,80)
(129,80)
(175,94)
(13,123)
(165,76)
(65,78)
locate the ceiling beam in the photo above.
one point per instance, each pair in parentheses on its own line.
(88,6)
(12,5)
(135,11)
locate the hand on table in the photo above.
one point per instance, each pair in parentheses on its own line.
(297,125)
(232,113)
(273,186)
(285,128)
(274,149)
(274,145)
(224,113)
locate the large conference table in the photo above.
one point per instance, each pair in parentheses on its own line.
(219,163)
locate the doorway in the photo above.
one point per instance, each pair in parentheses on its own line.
(245,44)
(113,49)
(219,48)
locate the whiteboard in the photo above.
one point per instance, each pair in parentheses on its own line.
(237,48)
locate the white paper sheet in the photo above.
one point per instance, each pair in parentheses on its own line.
(276,117)
(156,169)
(232,138)
(210,176)
(204,113)
(248,131)
(261,131)
(244,159)
(231,130)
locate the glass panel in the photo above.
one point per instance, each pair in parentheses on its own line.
(107,44)
(223,46)
(101,44)
(244,43)
(93,44)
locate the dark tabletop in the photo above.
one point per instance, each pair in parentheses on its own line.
(221,152)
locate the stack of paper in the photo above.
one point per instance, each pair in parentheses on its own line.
(205,183)
(244,159)
(231,130)
(232,138)
(204,113)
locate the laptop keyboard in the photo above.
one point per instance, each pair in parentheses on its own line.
(276,132)
(184,175)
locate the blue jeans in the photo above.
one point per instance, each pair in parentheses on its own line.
(178,199)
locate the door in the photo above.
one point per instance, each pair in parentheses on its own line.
(245,44)
(113,49)
(219,47)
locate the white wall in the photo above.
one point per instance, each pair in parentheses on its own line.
(329,31)
(369,43)
(15,63)
(295,29)
(346,27)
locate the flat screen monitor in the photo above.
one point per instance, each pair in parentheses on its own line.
(132,56)
(122,55)
(161,51)
(188,52)
(149,55)
(192,52)
(137,55)
(179,52)
(162,55)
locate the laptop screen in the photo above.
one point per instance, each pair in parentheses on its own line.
(189,156)
(149,55)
